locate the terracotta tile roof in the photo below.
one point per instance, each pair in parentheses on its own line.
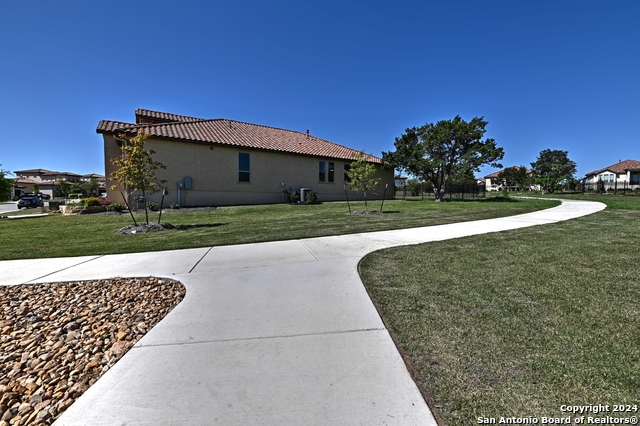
(148,116)
(221,131)
(35,172)
(25,180)
(620,167)
(495,174)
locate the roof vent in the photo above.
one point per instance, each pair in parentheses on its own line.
(307,133)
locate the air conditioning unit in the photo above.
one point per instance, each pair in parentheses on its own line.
(303,194)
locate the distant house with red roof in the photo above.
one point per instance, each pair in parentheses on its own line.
(228,162)
(46,180)
(625,173)
(492,183)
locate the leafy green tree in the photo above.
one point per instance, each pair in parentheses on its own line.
(136,169)
(552,169)
(63,188)
(77,188)
(90,187)
(36,188)
(516,176)
(361,175)
(6,184)
(440,152)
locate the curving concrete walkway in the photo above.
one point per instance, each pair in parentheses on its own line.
(279,333)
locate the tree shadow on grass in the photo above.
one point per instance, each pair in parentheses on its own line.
(488,200)
(199,225)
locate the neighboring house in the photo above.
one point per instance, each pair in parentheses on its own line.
(228,162)
(46,180)
(625,174)
(492,183)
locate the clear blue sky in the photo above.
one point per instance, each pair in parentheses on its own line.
(544,74)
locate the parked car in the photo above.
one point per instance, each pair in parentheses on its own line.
(28,194)
(43,196)
(27,202)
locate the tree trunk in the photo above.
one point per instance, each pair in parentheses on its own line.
(146,213)
(365,202)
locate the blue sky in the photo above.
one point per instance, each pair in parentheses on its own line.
(544,74)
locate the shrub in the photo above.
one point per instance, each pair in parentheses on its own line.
(154,207)
(292,194)
(174,206)
(311,197)
(105,202)
(91,202)
(115,207)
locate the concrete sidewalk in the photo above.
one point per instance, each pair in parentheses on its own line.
(279,333)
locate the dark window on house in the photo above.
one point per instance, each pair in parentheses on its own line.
(346,176)
(332,172)
(322,171)
(635,178)
(244,167)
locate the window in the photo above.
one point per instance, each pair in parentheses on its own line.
(244,169)
(326,171)
(347,167)
(635,178)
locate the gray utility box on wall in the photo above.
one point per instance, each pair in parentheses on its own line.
(187,182)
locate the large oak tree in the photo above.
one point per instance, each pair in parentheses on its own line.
(553,168)
(439,152)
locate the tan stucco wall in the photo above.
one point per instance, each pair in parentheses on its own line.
(214,174)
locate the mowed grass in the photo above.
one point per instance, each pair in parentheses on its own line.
(518,323)
(57,235)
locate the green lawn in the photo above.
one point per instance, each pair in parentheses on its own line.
(57,235)
(518,323)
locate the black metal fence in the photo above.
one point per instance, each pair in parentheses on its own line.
(618,188)
(453,191)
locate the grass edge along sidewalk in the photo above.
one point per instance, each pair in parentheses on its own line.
(518,323)
(63,236)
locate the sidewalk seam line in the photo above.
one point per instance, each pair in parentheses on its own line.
(64,269)
(200,260)
(260,338)
(308,249)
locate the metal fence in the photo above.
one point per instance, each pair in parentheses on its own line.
(618,188)
(453,191)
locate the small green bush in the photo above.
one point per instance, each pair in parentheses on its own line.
(91,202)
(311,197)
(292,194)
(174,206)
(154,207)
(115,207)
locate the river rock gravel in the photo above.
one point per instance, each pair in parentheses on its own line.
(57,339)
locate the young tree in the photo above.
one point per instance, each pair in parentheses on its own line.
(552,169)
(439,152)
(90,187)
(136,169)
(5,185)
(516,176)
(63,188)
(361,175)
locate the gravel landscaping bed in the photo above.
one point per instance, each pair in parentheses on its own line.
(59,338)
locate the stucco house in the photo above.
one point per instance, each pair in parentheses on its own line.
(492,183)
(46,180)
(624,174)
(228,162)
